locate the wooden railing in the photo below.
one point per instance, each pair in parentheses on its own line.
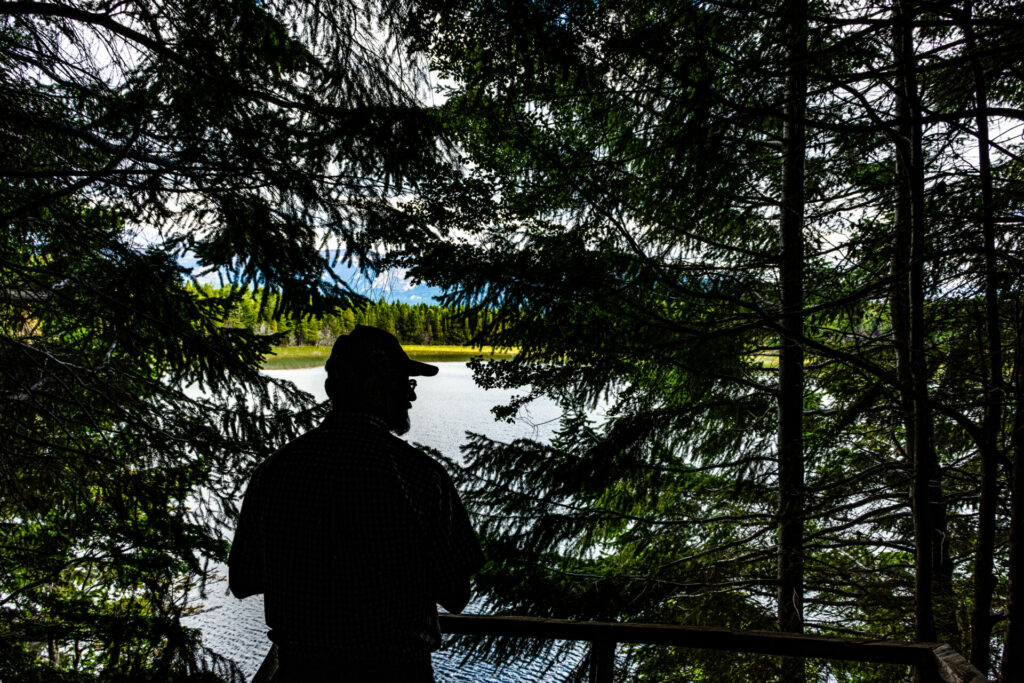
(934,662)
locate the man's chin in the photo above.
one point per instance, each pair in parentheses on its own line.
(399,424)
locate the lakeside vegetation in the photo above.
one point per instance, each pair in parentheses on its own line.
(295,357)
(427,332)
(416,325)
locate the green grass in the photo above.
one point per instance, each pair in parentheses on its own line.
(292,357)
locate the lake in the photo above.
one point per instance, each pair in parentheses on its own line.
(447,406)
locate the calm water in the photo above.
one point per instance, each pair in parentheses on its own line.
(448,406)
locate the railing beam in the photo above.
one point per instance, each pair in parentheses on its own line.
(953,667)
(731,640)
(934,661)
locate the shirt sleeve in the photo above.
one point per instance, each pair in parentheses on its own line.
(461,556)
(245,563)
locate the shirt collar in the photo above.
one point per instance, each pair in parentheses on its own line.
(355,418)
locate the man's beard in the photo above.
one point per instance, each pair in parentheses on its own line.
(398,420)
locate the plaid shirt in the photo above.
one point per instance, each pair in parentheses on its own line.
(352,534)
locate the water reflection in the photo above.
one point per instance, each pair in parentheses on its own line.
(448,405)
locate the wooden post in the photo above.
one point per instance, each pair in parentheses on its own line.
(602,661)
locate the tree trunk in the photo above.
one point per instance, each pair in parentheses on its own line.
(933,570)
(1013,649)
(791,357)
(984,579)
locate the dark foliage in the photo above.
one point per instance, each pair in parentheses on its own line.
(622,212)
(247,136)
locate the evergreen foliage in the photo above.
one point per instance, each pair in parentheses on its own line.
(410,323)
(250,135)
(614,213)
(620,213)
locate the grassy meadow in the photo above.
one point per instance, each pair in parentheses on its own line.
(292,357)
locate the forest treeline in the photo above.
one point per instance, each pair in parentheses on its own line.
(647,199)
(410,323)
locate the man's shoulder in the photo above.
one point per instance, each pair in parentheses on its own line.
(361,444)
(305,442)
(337,433)
(411,458)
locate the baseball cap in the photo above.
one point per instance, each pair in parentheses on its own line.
(370,346)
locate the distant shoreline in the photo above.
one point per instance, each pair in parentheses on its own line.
(295,357)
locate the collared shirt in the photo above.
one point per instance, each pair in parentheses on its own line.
(352,534)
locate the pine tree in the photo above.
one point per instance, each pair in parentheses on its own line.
(139,137)
(623,206)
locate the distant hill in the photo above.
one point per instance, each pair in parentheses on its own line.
(391,286)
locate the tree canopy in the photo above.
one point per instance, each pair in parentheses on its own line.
(665,202)
(778,240)
(250,137)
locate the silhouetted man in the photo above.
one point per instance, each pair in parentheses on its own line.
(353,535)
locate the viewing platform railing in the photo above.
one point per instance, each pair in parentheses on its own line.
(934,662)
